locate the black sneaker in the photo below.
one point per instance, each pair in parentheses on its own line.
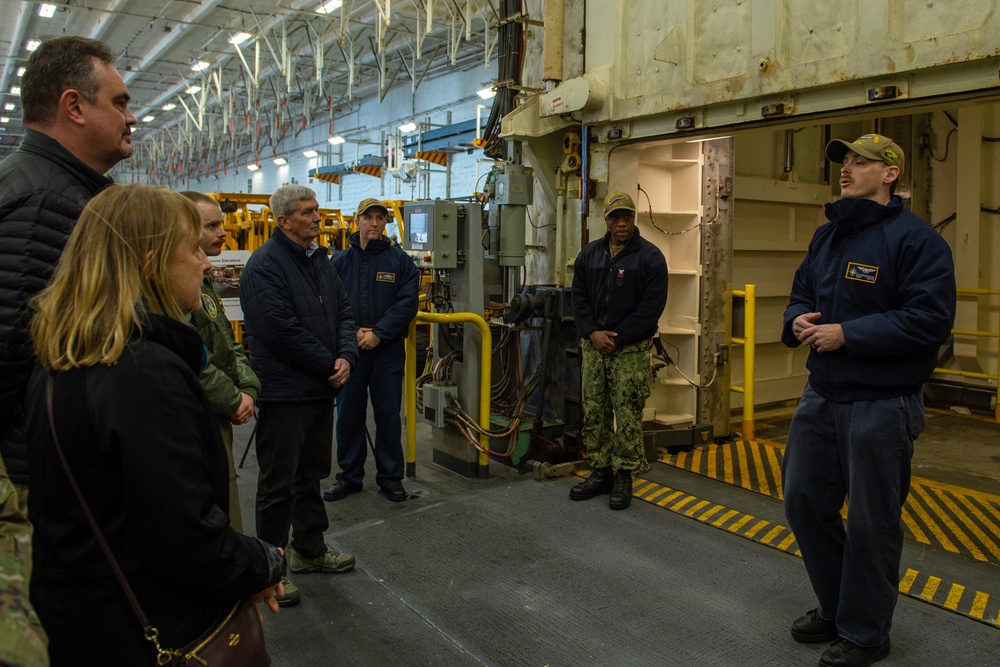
(813,628)
(598,483)
(621,490)
(394,491)
(341,490)
(845,653)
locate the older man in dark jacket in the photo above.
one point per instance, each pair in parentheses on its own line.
(382,282)
(77,126)
(302,347)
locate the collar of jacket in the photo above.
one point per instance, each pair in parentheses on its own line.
(632,245)
(298,251)
(851,215)
(39,143)
(375,245)
(178,337)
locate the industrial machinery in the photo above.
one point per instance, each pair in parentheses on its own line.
(446,237)
(477,264)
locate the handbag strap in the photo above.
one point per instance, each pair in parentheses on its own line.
(149,631)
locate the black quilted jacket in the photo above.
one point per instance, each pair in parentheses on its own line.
(43,189)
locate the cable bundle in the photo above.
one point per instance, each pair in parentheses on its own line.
(510,39)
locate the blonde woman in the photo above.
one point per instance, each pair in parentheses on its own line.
(139,437)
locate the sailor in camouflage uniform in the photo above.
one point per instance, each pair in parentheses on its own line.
(22,640)
(231,385)
(619,293)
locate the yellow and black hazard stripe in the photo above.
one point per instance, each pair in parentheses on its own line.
(956,519)
(435,157)
(975,604)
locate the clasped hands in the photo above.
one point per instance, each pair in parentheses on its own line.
(822,337)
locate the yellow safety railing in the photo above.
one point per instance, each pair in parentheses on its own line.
(749,342)
(973,291)
(410,382)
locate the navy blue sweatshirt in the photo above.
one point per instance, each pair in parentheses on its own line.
(625,293)
(888,278)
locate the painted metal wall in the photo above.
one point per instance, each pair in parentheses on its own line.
(780,73)
(722,62)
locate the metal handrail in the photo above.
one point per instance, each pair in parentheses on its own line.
(749,343)
(410,382)
(977,291)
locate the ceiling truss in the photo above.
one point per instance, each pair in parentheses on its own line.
(299,68)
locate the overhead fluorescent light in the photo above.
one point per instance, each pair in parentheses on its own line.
(46,10)
(148,119)
(280,161)
(192,90)
(329,6)
(10,106)
(310,153)
(486,93)
(407,127)
(4,119)
(199,66)
(253,167)
(169,107)
(336,140)
(32,44)
(15,90)
(20,71)
(239,38)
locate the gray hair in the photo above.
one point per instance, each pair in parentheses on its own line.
(285,198)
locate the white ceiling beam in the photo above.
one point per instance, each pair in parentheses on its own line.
(16,44)
(168,41)
(104,22)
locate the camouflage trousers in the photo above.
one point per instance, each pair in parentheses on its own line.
(22,641)
(615,389)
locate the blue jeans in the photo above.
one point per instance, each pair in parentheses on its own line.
(379,372)
(861,450)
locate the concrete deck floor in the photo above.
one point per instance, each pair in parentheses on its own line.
(508,571)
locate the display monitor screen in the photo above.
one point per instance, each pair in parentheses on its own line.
(419,232)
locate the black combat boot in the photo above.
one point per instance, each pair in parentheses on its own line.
(599,482)
(621,492)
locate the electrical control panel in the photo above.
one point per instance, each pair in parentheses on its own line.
(435,401)
(432,232)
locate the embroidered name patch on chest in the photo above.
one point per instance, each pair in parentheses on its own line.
(385,277)
(862,272)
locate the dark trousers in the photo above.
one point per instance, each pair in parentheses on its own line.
(294,452)
(380,374)
(861,450)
